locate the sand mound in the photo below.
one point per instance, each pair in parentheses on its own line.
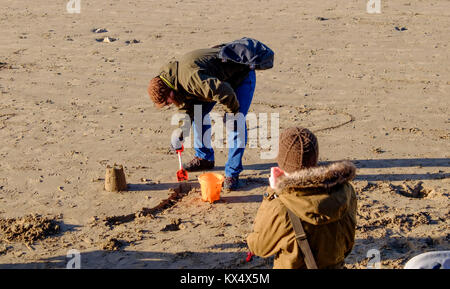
(28,229)
(416,191)
(174,225)
(112,244)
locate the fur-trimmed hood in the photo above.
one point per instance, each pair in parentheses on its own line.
(319,195)
(320,177)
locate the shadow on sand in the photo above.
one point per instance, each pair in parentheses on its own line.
(402,163)
(383,163)
(125,259)
(392,249)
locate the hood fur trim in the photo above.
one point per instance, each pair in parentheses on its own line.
(325,176)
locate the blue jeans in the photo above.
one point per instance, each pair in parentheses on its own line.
(233,167)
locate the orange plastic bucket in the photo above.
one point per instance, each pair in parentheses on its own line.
(211,185)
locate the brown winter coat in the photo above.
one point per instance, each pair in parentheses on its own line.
(200,76)
(324,200)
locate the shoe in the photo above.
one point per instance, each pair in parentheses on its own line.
(198,164)
(231,183)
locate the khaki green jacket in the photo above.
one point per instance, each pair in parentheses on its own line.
(324,200)
(200,76)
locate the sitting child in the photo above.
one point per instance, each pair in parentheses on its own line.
(320,198)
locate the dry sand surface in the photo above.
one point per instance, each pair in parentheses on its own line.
(71,105)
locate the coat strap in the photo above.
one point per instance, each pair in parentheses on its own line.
(167,82)
(302,240)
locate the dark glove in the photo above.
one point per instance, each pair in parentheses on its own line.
(176,141)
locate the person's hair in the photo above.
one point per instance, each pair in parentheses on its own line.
(158,91)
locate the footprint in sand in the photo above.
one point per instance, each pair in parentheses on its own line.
(417,191)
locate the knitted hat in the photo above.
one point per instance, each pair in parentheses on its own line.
(158,91)
(298,149)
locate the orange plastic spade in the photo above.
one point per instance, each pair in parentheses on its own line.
(182,174)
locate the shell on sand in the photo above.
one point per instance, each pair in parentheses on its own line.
(99,30)
(106,39)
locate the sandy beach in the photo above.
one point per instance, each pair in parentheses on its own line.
(374,88)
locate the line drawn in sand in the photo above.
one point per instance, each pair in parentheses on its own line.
(177,194)
(303,110)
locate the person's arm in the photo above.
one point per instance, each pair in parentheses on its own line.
(212,89)
(184,125)
(269,231)
(187,108)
